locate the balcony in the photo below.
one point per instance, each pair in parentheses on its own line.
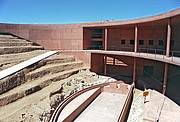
(148,53)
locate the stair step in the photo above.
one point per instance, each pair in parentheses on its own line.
(8,60)
(18,49)
(52,68)
(60,59)
(31,87)
(4,44)
(7,37)
(12,40)
(31,101)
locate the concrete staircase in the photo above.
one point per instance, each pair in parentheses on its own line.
(35,78)
(14,50)
(52,69)
(13,44)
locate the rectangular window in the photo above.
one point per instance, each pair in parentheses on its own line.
(151,42)
(123,41)
(141,42)
(132,42)
(97,34)
(161,42)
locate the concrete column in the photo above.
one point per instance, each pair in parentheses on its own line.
(165,77)
(168,38)
(105,65)
(136,39)
(105,38)
(134,71)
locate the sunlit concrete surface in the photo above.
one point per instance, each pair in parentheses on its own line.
(71,106)
(159,106)
(105,108)
(25,64)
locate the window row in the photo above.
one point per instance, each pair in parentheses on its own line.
(151,42)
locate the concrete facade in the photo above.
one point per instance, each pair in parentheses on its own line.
(52,37)
(78,36)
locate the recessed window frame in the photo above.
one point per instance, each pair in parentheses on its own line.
(161,42)
(141,42)
(131,42)
(123,41)
(97,33)
(151,42)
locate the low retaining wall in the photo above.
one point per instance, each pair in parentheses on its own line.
(56,113)
(126,106)
(77,111)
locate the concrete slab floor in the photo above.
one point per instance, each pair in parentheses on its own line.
(169,110)
(105,108)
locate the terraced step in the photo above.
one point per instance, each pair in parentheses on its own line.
(12,40)
(31,87)
(15,49)
(5,44)
(7,37)
(60,59)
(8,60)
(52,68)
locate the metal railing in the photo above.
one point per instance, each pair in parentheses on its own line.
(158,53)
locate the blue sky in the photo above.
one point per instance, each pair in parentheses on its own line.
(78,11)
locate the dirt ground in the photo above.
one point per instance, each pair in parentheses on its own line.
(37,106)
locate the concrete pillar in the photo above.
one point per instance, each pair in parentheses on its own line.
(106,38)
(165,77)
(136,39)
(134,71)
(168,37)
(105,65)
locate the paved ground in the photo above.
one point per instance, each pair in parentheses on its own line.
(157,106)
(160,105)
(105,108)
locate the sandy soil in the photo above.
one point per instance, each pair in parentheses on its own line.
(37,106)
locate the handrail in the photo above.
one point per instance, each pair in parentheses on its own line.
(148,51)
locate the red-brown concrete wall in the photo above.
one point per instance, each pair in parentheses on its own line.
(126,69)
(86,38)
(97,63)
(115,35)
(52,37)
(80,55)
(154,30)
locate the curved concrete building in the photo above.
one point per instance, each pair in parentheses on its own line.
(143,51)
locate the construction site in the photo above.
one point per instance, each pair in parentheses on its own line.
(98,71)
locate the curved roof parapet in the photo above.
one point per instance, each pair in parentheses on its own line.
(111,23)
(135,21)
